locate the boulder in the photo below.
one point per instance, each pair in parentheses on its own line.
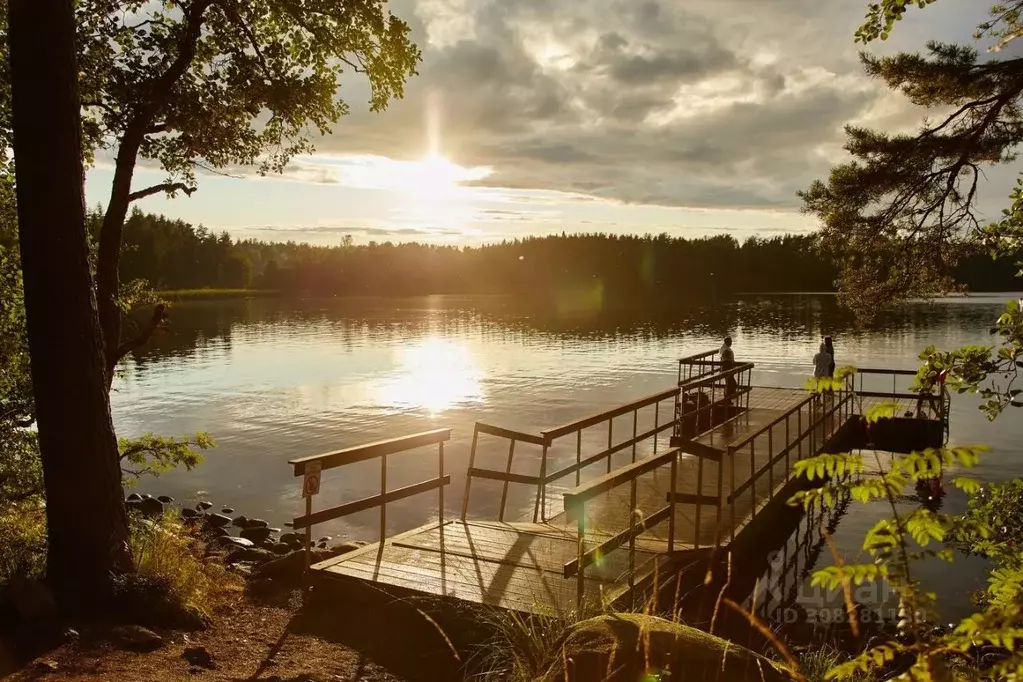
(227,510)
(166,499)
(295,539)
(190,514)
(150,506)
(136,638)
(134,497)
(228,542)
(255,523)
(344,548)
(627,647)
(257,535)
(281,548)
(146,496)
(204,505)
(254,554)
(217,520)
(240,521)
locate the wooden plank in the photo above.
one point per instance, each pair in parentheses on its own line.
(375,547)
(369,502)
(372,450)
(494,475)
(576,496)
(550,434)
(508,433)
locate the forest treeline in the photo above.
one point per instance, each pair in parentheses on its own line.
(172,254)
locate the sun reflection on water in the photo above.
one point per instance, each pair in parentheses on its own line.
(433,374)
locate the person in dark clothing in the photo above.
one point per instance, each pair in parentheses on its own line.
(829,345)
(727,356)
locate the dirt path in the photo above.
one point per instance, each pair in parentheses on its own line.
(279,642)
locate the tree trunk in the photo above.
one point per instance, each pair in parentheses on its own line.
(86,518)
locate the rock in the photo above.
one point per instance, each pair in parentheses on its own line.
(146,496)
(30,598)
(136,638)
(326,538)
(217,520)
(227,510)
(275,531)
(290,569)
(151,507)
(255,523)
(166,499)
(296,539)
(261,587)
(228,542)
(47,666)
(134,497)
(204,505)
(253,554)
(255,534)
(344,548)
(281,548)
(217,532)
(199,656)
(240,521)
(625,647)
(190,514)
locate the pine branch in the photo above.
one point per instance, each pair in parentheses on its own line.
(168,187)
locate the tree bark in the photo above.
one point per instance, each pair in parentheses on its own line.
(86,519)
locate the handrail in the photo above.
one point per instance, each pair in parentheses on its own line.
(558,431)
(360,453)
(378,450)
(580,494)
(711,378)
(575,505)
(777,420)
(882,370)
(501,432)
(699,356)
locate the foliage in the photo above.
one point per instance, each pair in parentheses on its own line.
(168,554)
(22,538)
(521,648)
(153,455)
(896,543)
(1004,26)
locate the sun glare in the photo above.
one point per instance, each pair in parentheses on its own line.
(434,174)
(435,375)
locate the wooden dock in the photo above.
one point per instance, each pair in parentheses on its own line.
(611,515)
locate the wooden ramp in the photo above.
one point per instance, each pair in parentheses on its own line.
(621,526)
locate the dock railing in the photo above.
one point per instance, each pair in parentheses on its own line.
(576,507)
(811,432)
(507,476)
(702,397)
(379,450)
(698,365)
(650,403)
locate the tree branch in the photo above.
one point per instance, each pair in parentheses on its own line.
(163,187)
(159,315)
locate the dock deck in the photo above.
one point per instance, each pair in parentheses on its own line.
(626,527)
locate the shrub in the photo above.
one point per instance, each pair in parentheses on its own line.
(22,539)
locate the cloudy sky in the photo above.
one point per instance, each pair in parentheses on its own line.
(539,116)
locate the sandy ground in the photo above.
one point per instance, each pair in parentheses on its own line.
(278,642)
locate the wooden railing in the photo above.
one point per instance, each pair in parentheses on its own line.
(379,450)
(701,399)
(505,476)
(575,505)
(697,365)
(820,409)
(604,455)
(940,403)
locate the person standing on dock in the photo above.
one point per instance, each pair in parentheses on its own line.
(823,362)
(727,356)
(830,346)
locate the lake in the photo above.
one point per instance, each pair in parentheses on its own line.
(272,379)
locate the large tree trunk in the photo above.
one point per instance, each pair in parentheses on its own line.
(85,511)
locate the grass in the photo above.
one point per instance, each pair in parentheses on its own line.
(521,648)
(194,294)
(22,540)
(174,581)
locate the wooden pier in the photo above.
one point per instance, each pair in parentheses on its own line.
(697,467)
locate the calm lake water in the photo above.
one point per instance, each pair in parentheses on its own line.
(273,379)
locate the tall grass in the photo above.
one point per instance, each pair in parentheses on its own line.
(170,559)
(521,647)
(22,540)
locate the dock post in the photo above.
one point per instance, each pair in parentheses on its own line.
(610,430)
(699,496)
(540,507)
(721,481)
(671,517)
(580,575)
(731,488)
(383,504)
(635,432)
(632,544)
(770,462)
(440,488)
(788,447)
(504,489)
(752,478)
(657,420)
(578,456)
(468,473)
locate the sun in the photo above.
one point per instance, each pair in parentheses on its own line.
(435,175)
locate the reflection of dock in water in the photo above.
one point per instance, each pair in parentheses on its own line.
(631,500)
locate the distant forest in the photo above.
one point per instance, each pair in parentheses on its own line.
(172,254)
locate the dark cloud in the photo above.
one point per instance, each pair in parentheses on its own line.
(717,103)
